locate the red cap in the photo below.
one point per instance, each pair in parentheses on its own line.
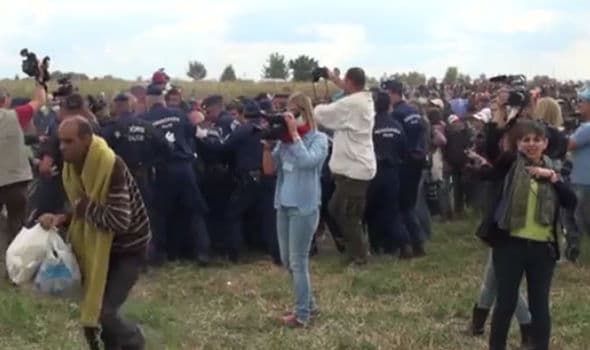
(159,78)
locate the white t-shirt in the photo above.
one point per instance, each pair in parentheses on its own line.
(352,119)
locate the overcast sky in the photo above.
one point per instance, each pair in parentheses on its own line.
(129,38)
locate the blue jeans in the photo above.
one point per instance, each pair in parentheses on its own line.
(295,232)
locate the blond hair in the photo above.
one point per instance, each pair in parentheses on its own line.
(303,103)
(549,111)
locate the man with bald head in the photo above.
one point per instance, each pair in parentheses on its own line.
(98,211)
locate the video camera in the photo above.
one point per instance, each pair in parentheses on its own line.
(316,75)
(64,87)
(96,103)
(518,95)
(33,69)
(276,126)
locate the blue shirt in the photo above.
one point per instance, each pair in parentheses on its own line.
(414,128)
(581,155)
(299,166)
(176,128)
(243,145)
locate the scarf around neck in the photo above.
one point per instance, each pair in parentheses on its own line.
(302,130)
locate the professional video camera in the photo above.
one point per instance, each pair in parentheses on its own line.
(276,126)
(64,87)
(316,75)
(97,103)
(518,95)
(33,69)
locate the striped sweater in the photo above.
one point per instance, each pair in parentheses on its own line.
(124,212)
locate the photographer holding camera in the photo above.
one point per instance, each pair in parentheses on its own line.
(353,163)
(15,170)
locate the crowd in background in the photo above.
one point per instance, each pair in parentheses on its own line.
(369,166)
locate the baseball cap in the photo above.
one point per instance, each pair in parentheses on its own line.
(393,86)
(121,97)
(438,103)
(251,108)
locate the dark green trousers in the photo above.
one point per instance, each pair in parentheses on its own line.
(347,207)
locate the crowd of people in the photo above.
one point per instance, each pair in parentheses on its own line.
(151,178)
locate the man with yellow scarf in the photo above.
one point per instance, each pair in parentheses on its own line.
(108,229)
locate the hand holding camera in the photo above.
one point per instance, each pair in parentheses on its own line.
(35,69)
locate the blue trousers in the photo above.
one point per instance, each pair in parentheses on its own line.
(179,226)
(382,212)
(410,178)
(295,233)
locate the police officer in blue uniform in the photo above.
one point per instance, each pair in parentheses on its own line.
(411,172)
(138,143)
(382,212)
(218,182)
(179,208)
(251,204)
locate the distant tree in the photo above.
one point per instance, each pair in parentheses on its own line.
(372,81)
(482,77)
(228,74)
(276,67)
(139,79)
(540,80)
(432,81)
(56,75)
(16,77)
(302,67)
(464,79)
(414,79)
(451,75)
(196,70)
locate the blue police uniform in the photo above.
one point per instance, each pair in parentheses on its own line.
(251,205)
(218,184)
(382,212)
(141,146)
(411,172)
(178,204)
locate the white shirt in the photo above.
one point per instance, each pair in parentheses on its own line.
(352,119)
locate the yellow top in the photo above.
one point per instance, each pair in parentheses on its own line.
(532,230)
(91,245)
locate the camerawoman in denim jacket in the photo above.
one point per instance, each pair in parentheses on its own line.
(297,161)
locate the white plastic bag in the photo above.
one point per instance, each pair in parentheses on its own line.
(25,254)
(59,274)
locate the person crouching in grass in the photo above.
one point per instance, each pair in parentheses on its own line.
(525,232)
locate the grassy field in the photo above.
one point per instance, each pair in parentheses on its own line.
(201,89)
(422,304)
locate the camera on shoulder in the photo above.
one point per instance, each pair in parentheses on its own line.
(34,69)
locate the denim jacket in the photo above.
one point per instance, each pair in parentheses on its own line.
(298,167)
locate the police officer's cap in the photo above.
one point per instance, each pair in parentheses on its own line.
(121,97)
(265,105)
(392,85)
(251,109)
(212,100)
(154,90)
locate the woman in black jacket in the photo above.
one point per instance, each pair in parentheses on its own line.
(522,228)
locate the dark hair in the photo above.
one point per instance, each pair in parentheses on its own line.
(73,102)
(357,77)
(382,101)
(435,116)
(526,127)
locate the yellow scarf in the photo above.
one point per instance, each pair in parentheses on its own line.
(91,245)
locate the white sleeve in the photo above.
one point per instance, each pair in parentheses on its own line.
(333,116)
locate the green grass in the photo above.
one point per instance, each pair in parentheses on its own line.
(421,304)
(201,89)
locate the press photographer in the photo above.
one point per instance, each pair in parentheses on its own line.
(353,162)
(15,170)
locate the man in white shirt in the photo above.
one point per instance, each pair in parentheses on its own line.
(353,162)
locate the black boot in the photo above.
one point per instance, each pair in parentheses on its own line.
(526,341)
(418,250)
(478,321)
(92,336)
(405,252)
